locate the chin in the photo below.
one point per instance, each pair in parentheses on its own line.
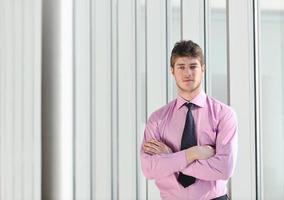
(187,90)
(190,90)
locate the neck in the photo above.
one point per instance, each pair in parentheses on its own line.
(189,95)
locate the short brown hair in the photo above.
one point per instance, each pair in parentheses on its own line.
(186,48)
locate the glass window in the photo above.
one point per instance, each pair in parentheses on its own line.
(271,80)
(217,50)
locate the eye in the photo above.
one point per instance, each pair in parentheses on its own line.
(193,67)
(181,67)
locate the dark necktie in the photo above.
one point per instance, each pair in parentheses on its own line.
(188,140)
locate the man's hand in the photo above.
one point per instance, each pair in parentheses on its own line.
(199,153)
(154,147)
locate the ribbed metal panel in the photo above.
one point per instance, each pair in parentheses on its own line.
(20,96)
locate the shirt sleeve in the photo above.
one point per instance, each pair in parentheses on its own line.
(222,164)
(158,166)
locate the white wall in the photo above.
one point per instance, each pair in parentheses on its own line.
(242,96)
(131,44)
(120,55)
(271,100)
(20,97)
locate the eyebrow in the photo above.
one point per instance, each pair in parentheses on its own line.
(191,64)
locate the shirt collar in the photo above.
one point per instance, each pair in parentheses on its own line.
(199,100)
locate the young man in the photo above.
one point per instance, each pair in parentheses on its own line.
(190,144)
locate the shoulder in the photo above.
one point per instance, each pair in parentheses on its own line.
(220,109)
(162,112)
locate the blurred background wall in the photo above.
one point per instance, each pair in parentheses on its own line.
(78,80)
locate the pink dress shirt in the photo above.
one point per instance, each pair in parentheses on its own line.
(215,125)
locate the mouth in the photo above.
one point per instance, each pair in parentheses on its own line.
(187,80)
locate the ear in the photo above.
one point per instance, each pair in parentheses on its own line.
(203,68)
(172,70)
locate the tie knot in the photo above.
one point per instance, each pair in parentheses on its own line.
(189,105)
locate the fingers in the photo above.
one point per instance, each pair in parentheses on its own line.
(153,147)
(207,152)
(156,143)
(150,150)
(210,150)
(203,152)
(209,147)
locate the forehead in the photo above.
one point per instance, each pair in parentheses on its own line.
(187,60)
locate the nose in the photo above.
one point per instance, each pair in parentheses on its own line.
(188,71)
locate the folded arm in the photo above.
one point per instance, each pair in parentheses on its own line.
(221,165)
(157,165)
(158,160)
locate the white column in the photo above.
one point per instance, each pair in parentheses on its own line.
(241,95)
(82,94)
(57,100)
(193,21)
(126,85)
(104,184)
(156,67)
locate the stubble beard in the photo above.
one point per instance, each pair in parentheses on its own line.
(189,89)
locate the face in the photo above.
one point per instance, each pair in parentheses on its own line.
(188,73)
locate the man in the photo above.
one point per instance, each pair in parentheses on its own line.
(190,144)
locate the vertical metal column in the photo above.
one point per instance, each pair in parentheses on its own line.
(57,100)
